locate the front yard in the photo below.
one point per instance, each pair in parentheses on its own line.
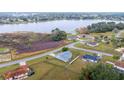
(108,48)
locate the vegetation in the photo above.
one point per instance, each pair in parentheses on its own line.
(105,27)
(108,48)
(24,39)
(65,49)
(117,42)
(58,35)
(100,72)
(116,57)
(82,30)
(3,49)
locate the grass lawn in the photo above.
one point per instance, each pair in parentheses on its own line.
(40,69)
(61,73)
(108,48)
(3,49)
(105,34)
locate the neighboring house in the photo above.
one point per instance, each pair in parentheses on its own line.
(72,37)
(19,73)
(91,58)
(122,57)
(85,36)
(121,50)
(92,44)
(118,65)
(64,56)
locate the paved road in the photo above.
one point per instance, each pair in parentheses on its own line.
(47,53)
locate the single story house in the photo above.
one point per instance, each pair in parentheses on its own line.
(64,56)
(92,44)
(118,65)
(121,50)
(72,37)
(19,73)
(122,57)
(87,36)
(90,58)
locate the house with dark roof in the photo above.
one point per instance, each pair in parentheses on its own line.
(90,58)
(92,44)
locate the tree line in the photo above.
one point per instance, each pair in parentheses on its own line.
(105,27)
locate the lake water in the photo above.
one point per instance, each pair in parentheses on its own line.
(46,27)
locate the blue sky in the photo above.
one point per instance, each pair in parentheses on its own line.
(61,5)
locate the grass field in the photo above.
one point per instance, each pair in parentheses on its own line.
(108,48)
(105,34)
(3,49)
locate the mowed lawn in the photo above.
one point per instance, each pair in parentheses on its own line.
(108,48)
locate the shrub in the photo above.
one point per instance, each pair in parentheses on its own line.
(65,49)
(116,57)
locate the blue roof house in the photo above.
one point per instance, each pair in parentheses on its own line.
(91,58)
(64,56)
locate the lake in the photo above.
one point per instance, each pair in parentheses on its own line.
(46,27)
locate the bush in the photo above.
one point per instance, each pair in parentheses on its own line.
(58,35)
(65,49)
(116,57)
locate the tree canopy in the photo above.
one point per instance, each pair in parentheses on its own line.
(100,71)
(58,35)
(105,26)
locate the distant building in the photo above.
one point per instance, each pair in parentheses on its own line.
(72,37)
(85,36)
(92,44)
(91,58)
(122,57)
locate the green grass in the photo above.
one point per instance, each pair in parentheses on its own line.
(108,48)
(3,49)
(105,34)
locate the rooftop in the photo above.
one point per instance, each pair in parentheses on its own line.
(64,56)
(120,64)
(90,57)
(92,43)
(16,72)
